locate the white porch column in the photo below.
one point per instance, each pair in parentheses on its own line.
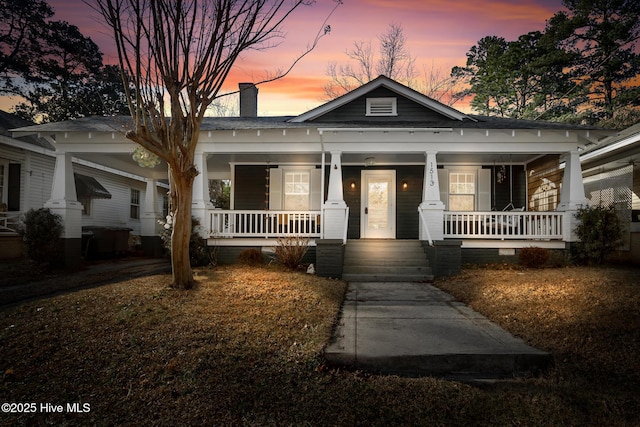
(432,208)
(200,203)
(150,212)
(572,195)
(335,208)
(64,202)
(149,227)
(335,193)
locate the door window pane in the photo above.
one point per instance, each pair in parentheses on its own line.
(378,204)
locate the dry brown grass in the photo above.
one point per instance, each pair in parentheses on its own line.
(244,348)
(588,318)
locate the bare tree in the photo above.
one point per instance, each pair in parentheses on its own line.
(436,83)
(177,54)
(346,77)
(395,61)
(227,106)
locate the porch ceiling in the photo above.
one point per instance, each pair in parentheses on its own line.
(219,163)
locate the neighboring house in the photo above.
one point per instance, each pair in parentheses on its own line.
(107,197)
(611,171)
(381,162)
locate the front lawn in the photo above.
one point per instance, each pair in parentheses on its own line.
(244,348)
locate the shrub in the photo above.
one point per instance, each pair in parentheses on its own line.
(533,257)
(199,253)
(557,259)
(41,234)
(251,257)
(289,251)
(600,233)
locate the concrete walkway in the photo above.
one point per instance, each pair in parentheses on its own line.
(417,329)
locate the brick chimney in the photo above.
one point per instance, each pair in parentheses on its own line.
(248,100)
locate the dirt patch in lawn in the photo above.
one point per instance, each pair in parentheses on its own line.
(245,348)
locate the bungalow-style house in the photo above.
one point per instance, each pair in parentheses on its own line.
(611,171)
(381,163)
(107,198)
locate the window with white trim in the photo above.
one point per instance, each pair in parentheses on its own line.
(86,205)
(382,107)
(296,190)
(165,206)
(135,204)
(462,191)
(3,183)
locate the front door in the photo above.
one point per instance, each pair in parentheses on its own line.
(378,213)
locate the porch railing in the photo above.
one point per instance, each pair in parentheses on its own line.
(239,223)
(503,225)
(9,222)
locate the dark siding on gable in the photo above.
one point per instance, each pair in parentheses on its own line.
(355,111)
(249,187)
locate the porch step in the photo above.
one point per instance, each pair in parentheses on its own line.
(386,261)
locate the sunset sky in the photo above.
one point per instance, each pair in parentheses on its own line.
(438,32)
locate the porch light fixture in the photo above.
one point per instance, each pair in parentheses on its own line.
(405,185)
(145,158)
(353,185)
(369,161)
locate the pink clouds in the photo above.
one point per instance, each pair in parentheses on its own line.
(438,32)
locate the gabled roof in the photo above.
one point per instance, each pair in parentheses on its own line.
(10,121)
(392,85)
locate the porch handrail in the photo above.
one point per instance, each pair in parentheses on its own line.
(267,224)
(424,225)
(9,222)
(504,225)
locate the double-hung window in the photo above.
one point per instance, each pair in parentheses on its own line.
(462,191)
(135,204)
(296,190)
(3,183)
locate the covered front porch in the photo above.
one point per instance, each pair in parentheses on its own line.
(407,195)
(335,184)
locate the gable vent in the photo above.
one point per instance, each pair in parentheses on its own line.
(382,107)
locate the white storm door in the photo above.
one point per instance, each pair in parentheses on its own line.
(378,210)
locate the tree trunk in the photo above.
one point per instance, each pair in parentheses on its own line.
(181,235)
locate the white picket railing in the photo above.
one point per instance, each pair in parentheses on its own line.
(457,225)
(9,222)
(503,225)
(239,223)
